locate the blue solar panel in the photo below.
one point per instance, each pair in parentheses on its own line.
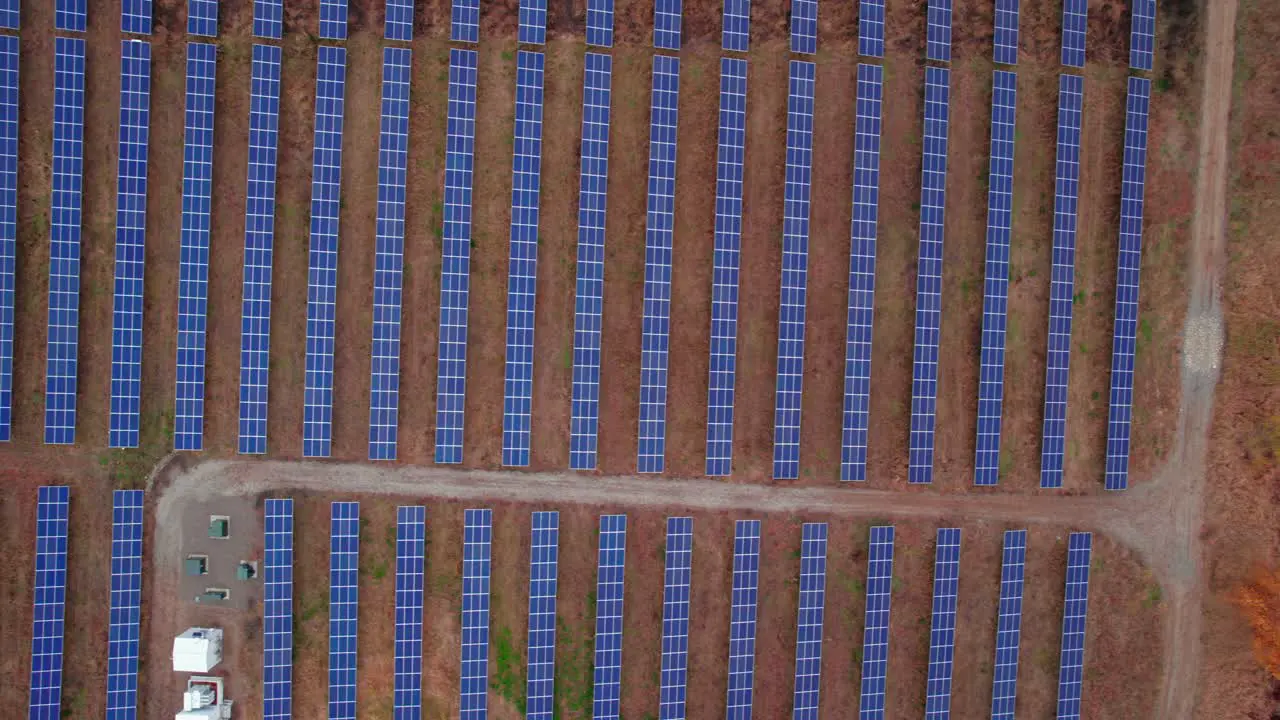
(1009,625)
(135,17)
(659,230)
(344,607)
(193,264)
(1006,39)
(875,633)
(464,23)
(126,604)
(268,18)
(411,539)
(202,17)
(600,23)
(399,25)
(1074,24)
(871,28)
(938,31)
(543,571)
(533,22)
(736,35)
(1074,612)
(69,15)
(476,539)
(1142,34)
(666,24)
(813,589)
(50,594)
(259,235)
(742,619)
(1128,266)
(388,267)
(862,274)
(593,187)
(522,270)
(933,191)
(64,249)
(1062,283)
(455,270)
(804,26)
(675,618)
(8,219)
(277,611)
(795,272)
(995,297)
(131,229)
(607,681)
(722,368)
(10,14)
(333,19)
(942,630)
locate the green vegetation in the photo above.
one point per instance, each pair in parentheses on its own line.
(509,676)
(575,670)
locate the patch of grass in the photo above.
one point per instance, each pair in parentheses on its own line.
(575,672)
(1006,461)
(1146,332)
(1154,596)
(506,55)
(509,672)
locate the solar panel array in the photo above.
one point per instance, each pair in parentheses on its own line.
(476,540)
(1062,283)
(736,34)
(388,268)
(593,189)
(666,24)
(722,367)
(995,296)
(10,14)
(50,595)
(813,588)
(411,539)
(277,610)
(202,17)
(611,568)
(522,271)
(875,633)
(659,230)
(862,274)
(1142,34)
(193,263)
(533,22)
(399,20)
(871,28)
(69,15)
(131,236)
(64,248)
(543,572)
(135,17)
(1009,625)
(804,26)
(8,218)
(933,203)
(742,619)
(1128,266)
(795,272)
(1074,24)
(455,269)
(675,618)
(333,19)
(938,31)
(1006,37)
(1074,612)
(125,619)
(464,22)
(344,607)
(942,630)
(268,18)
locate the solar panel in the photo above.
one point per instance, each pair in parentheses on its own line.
(10,14)
(388,268)
(126,604)
(533,22)
(742,619)
(1062,283)
(1128,266)
(64,249)
(871,28)
(193,263)
(131,235)
(1142,34)
(607,681)
(1075,609)
(543,566)
(813,588)
(267,18)
(522,270)
(464,23)
(49,598)
(476,539)
(8,218)
(69,15)
(938,31)
(659,230)
(135,17)
(736,35)
(259,234)
(202,17)
(1009,625)
(995,296)
(600,23)
(333,19)
(399,20)
(1006,38)
(942,630)
(344,607)
(411,539)
(722,367)
(666,24)
(455,269)
(804,26)
(675,618)
(277,610)
(795,272)
(1074,24)
(593,188)
(862,274)
(875,634)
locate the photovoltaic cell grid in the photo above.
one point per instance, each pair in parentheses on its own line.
(795,272)
(455,269)
(344,607)
(722,372)
(69,15)
(464,22)
(933,191)
(1062,283)
(267,18)
(277,610)
(995,297)
(742,619)
(862,274)
(593,188)
(522,270)
(1128,265)
(612,560)
(666,24)
(8,218)
(399,25)
(871,28)
(259,234)
(875,634)
(135,17)
(193,263)
(1142,40)
(476,540)
(333,19)
(736,34)
(388,265)
(1009,625)
(1071,671)
(1006,38)
(659,229)
(202,17)
(10,14)
(533,22)
(411,538)
(126,605)
(600,23)
(543,567)
(813,588)
(675,619)
(938,31)
(64,250)
(804,26)
(50,594)
(131,235)
(942,631)
(1074,24)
